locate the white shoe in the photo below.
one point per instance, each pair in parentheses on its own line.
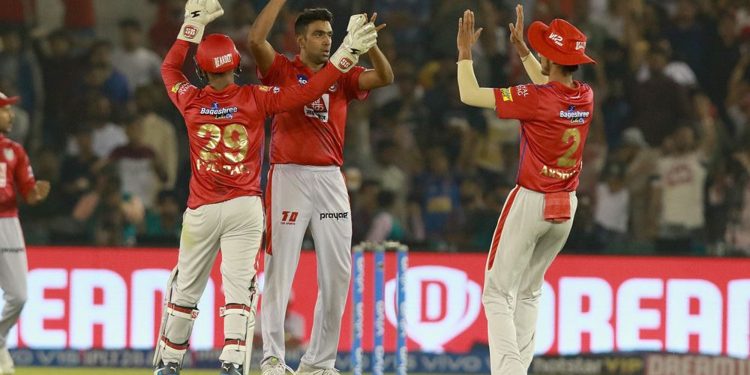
(309,370)
(6,362)
(274,366)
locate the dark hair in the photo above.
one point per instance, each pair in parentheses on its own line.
(309,16)
(570,69)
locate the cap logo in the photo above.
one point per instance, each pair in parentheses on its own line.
(222,60)
(580,45)
(556,38)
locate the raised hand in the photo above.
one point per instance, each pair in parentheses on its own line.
(198,14)
(361,36)
(467,35)
(516,33)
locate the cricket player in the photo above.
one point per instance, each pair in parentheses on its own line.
(306,186)
(16,177)
(537,216)
(225,127)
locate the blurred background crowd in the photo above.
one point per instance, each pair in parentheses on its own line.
(666,166)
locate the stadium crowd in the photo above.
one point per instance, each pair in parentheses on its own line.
(667,161)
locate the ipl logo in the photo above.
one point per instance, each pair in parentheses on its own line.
(441,303)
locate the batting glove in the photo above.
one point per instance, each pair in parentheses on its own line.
(198,14)
(361,36)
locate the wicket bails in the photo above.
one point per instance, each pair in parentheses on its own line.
(358,275)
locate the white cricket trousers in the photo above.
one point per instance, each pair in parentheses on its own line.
(298,196)
(13,268)
(234,226)
(523,247)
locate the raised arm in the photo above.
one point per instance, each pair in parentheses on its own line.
(257,38)
(382,74)
(468,87)
(530,63)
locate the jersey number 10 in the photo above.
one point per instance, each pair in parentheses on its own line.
(236,148)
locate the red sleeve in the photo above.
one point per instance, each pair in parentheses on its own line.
(519,102)
(275,71)
(179,89)
(351,87)
(23,174)
(276,99)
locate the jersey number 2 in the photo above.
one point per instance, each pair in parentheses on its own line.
(237,147)
(567,161)
(3,175)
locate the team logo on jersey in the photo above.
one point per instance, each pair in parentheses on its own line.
(507,95)
(575,117)
(219,112)
(9,154)
(319,108)
(302,79)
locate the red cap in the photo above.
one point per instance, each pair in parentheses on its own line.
(560,42)
(4,100)
(217,54)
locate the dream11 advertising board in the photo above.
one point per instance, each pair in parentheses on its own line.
(83,298)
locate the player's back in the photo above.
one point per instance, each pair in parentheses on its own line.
(226,135)
(555,123)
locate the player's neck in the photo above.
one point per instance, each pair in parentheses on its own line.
(564,78)
(310,63)
(221,83)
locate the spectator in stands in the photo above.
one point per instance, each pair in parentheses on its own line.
(140,65)
(659,100)
(109,217)
(106,135)
(386,226)
(158,133)
(163,222)
(679,189)
(102,77)
(77,173)
(738,230)
(639,161)
(20,67)
(141,172)
(611,208)
(440,195)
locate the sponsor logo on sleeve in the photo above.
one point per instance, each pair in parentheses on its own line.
(274,89)
(507,95)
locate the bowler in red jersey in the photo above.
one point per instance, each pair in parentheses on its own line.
(536,219)
(306,186)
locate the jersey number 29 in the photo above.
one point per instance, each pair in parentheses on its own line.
(236,148)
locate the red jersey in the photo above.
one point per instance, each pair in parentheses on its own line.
(554,125)
(225,128)
(314,134)
(15,175)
